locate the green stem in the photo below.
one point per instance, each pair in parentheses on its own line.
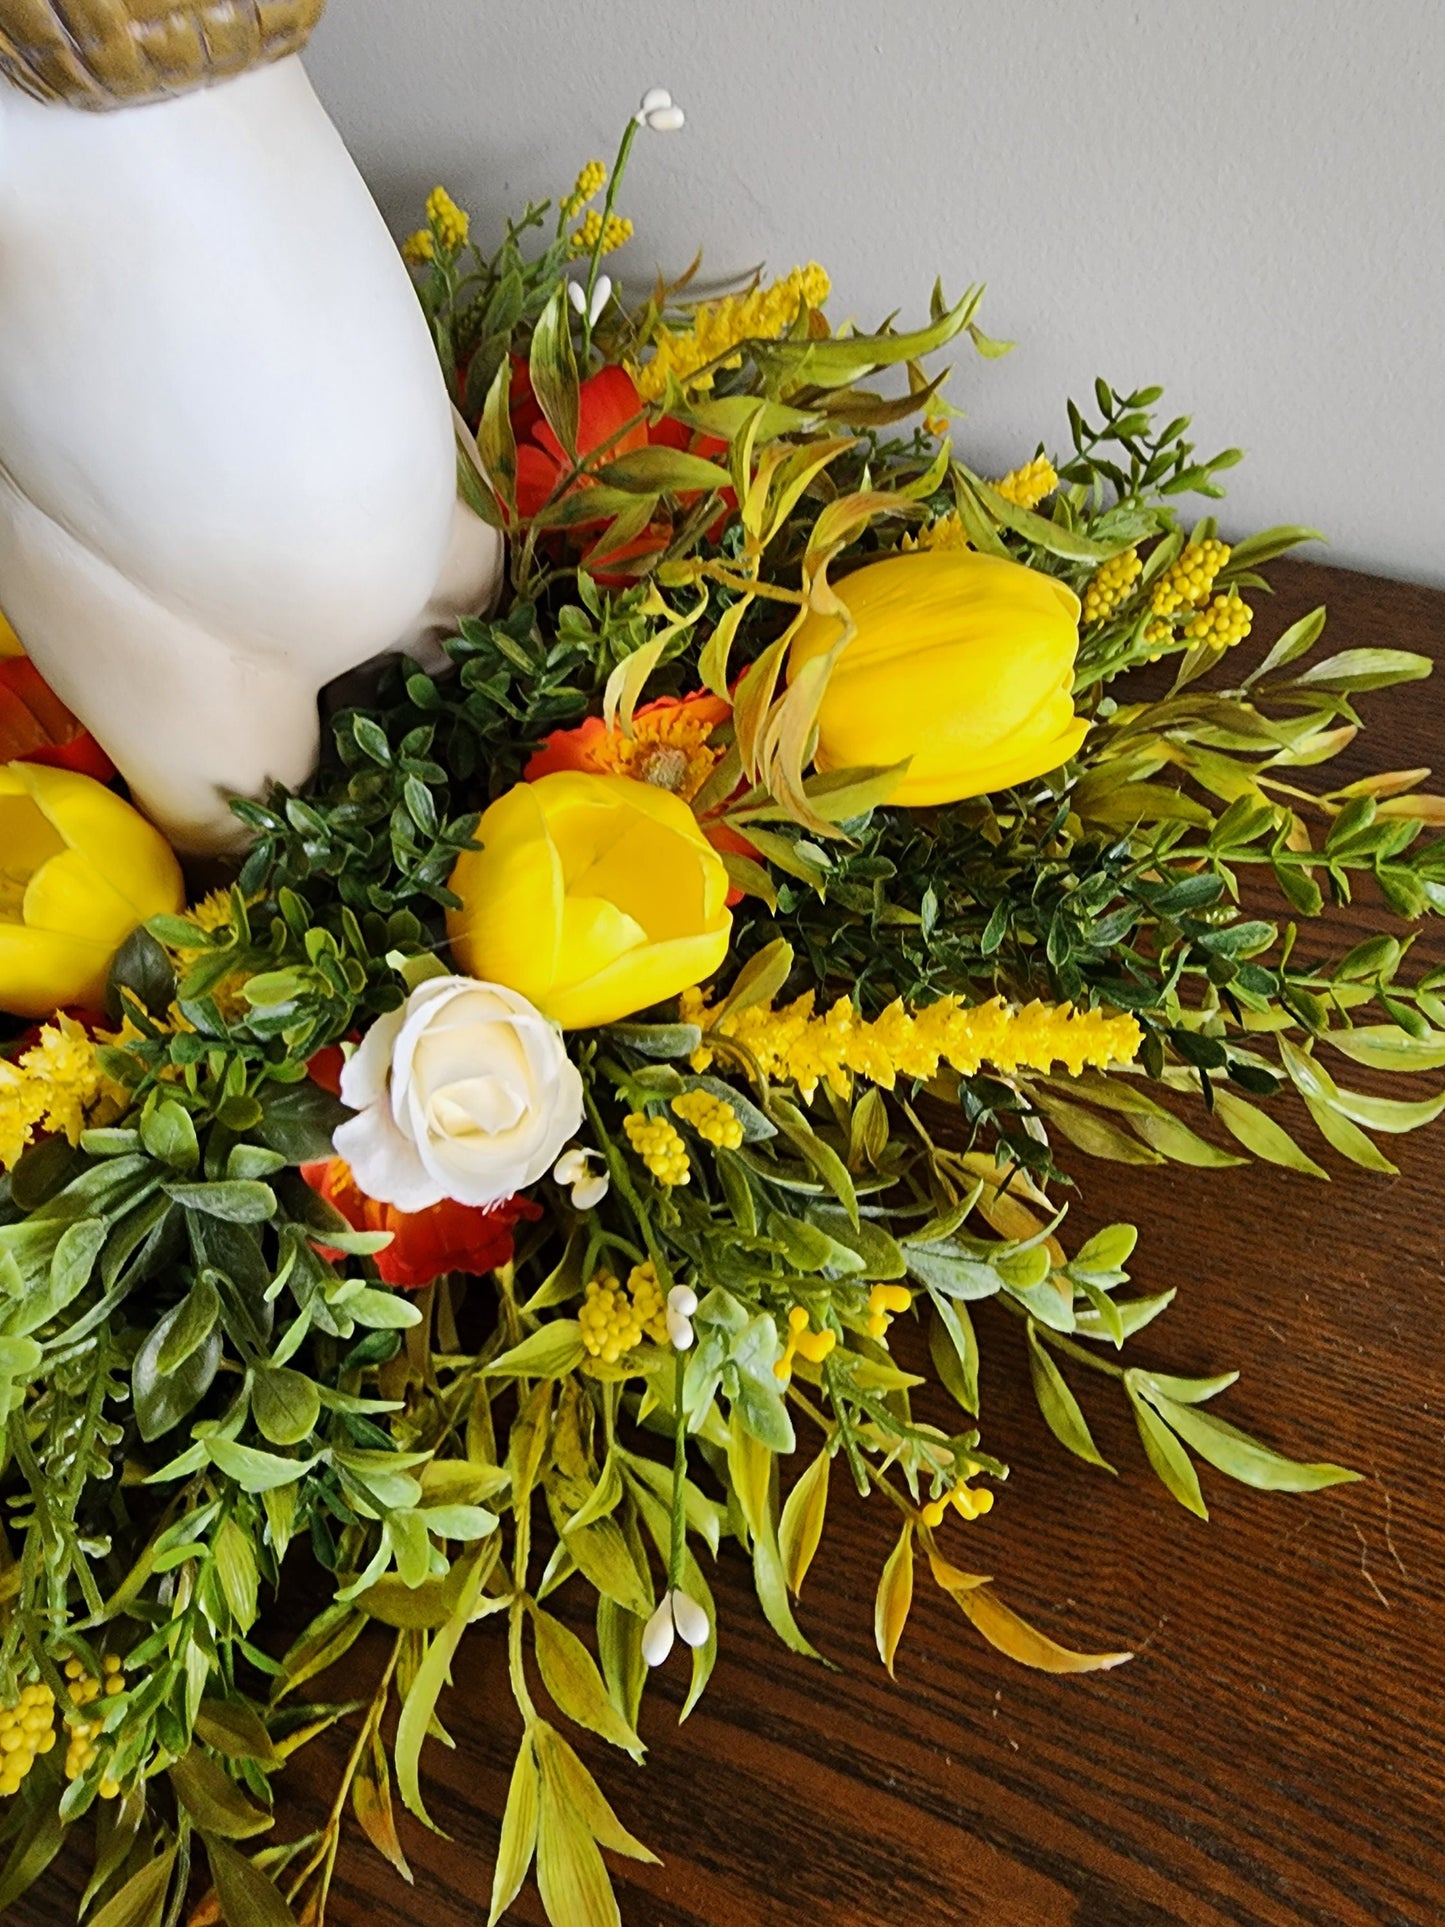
(1062,1344)
(679,1480)
(619,168)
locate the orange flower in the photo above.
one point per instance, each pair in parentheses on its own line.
(36,726)
(611,421)
(668,748)
(425,1244)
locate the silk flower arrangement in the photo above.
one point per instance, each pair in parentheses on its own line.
(544,1139)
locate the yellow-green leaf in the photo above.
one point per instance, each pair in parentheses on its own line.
(1017,1639)
(213,1800)
(554,370)
(1175,1140)
(519,1831)
(1257,1131)
(248,1897)
(495,444)
(895,1596)
(570,1675)
(421,1699)
(141,1900)
(371,1799)
(561,1766)
(1241,1457)
(1171,1463)
(1060,1408)
(801,1526)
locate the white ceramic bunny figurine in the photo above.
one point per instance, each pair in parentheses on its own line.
(227,466)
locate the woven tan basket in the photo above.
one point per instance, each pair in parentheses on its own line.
(115,53)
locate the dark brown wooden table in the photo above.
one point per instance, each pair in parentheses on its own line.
(1276,1752)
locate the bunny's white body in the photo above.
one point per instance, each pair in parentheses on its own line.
(227,467)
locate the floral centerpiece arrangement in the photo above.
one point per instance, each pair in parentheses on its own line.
(507,1184)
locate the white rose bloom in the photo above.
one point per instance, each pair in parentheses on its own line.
(466,1092)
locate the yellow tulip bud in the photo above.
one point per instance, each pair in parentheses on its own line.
(962,662)
(79,869)
(593,896)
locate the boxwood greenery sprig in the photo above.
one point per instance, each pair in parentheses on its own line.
(863,1129)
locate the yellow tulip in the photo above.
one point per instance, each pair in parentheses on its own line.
(79,869)
(593,896)
(962,662)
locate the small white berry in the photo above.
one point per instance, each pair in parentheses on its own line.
(657,1634)
(693,1628)
(682,1298)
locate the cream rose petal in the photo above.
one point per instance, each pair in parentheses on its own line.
(384,1162)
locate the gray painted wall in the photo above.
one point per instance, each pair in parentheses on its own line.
(1241,199)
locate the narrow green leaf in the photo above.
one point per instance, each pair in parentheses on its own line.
(1060,1408)
(1241,1457)
(247,1895)
(1167,1456)
(519,1830)
(801,1526)
(570,1675)
(1261,1134)
(894,1597)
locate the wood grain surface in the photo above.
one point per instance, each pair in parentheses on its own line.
(1276,1751)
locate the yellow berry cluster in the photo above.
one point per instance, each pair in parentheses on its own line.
(448,222)
(814,1346)
(589,182)
(713,1118)
(614,232)
(1026,487)
(1225,622)
(27,1729)
(659,1144)
(613,1321)
(83,1750)
(884,1301)
(1111,584)
(947,532)
(1187,582)
(967,1504)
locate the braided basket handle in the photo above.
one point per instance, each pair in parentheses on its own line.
(118,53)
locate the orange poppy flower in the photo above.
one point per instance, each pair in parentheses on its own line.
(425,1244)
(36,726)
(611,421)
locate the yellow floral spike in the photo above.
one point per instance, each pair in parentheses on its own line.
(1026,487)
(1110,584)
(418,249)
(720,326)
(793,1045)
